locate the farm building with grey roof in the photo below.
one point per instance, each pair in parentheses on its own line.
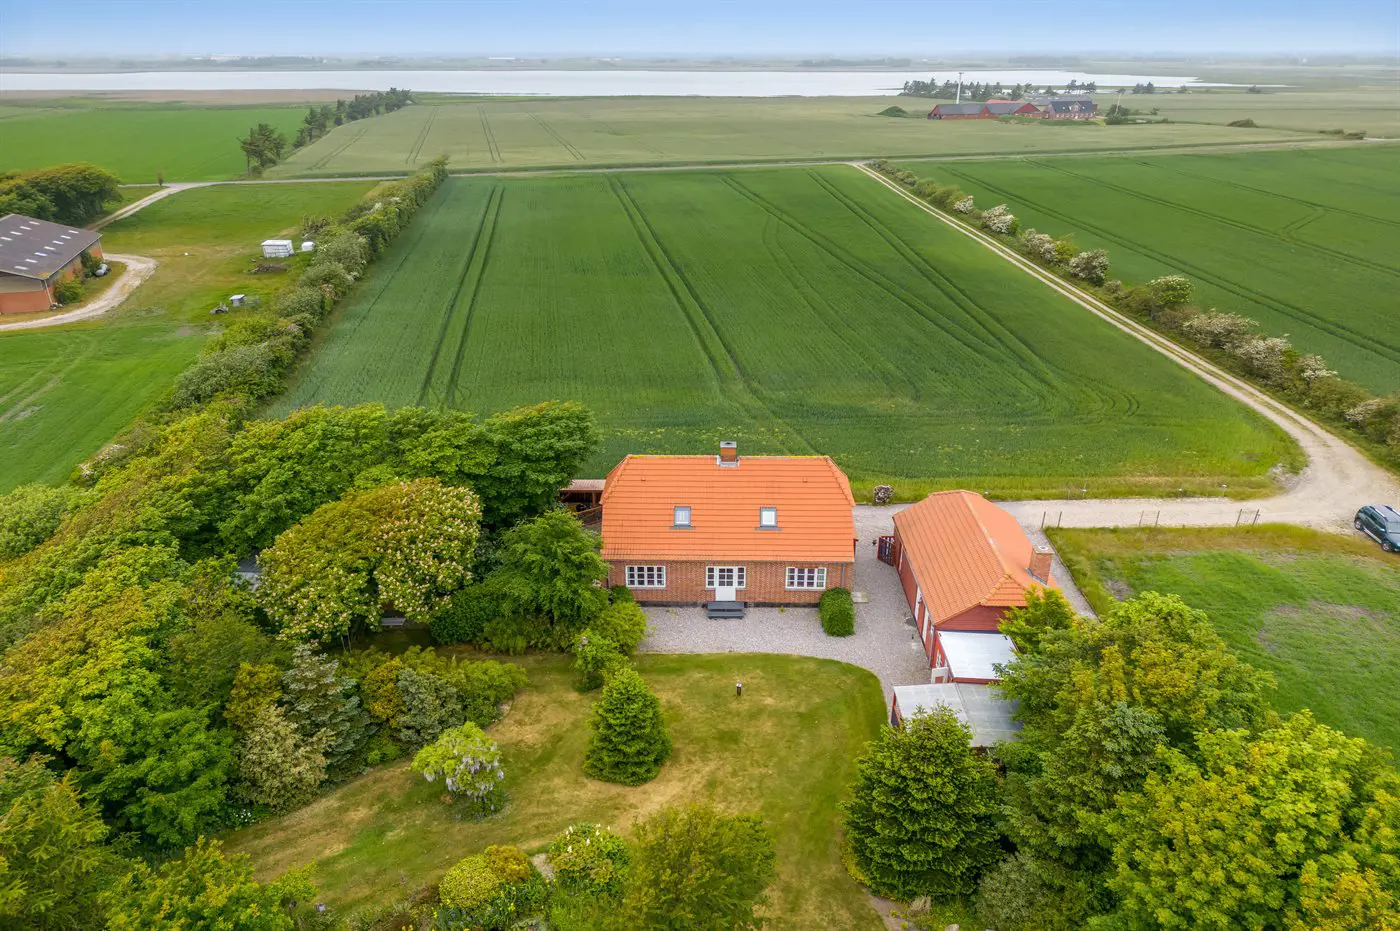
(35,256)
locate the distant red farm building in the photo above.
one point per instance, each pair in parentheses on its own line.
(989,110)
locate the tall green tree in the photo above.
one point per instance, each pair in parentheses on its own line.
(922,816)
(697,869)
(628,742)
(550,569)
(324,706)
(537,450)
(53,861)
(278,766)
(1045,610)
(1225,839)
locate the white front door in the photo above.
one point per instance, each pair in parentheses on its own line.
(726,581)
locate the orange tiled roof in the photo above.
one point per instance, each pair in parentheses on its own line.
(966,552)
(813,498)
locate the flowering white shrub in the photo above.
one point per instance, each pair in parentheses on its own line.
(1364,411)
(1218,330)
(468,762)
(1312,367)
(1172,290)
(1262,355)
(1091,266)
(964,205)
(1038,245)
(998,219)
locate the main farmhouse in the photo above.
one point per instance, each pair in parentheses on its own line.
(726,530)
(35,256)
(1048,108)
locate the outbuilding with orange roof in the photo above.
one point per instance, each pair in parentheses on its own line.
(964,562)
(772,530)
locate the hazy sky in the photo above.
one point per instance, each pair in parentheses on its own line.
(702,27)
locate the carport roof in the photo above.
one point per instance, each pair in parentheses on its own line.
(33,248)
(981,707)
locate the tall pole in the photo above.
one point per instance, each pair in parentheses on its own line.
(960,74)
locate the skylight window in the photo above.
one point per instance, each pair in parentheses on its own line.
(768,518)
(680,516)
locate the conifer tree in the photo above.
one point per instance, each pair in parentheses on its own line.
(319,700)
(629,740)
(920,820)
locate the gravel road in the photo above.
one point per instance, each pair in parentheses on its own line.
(138,269)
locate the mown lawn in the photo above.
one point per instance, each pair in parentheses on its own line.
(1304,241)
(1319,611)
(785,750)
(66,391)
(793,310)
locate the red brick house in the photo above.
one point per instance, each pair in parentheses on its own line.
(35,255)
(963,562)
(775,530)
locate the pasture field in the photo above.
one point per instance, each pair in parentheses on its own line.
(795,310)
(1304,241)
(67,391)
(1319,611)
(137,141)
(498,134)
(786,752)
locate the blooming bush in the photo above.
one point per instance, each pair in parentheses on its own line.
(964,206)
(492,891)
(1218,330)
(1313,367)
(469,764)
(1038,245)
(590,859)
(1265,356)
(408,544)
(1091,266)
(999,220)
(1171,290)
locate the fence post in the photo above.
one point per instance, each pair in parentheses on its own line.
(1059,522)
(1043,515)
(1157,522)
(1255,522)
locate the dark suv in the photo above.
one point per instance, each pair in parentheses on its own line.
(1380,522)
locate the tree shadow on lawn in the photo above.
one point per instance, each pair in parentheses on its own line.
(786,750)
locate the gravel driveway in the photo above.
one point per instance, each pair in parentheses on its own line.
(884,641)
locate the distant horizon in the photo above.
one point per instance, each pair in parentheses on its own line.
(709,30)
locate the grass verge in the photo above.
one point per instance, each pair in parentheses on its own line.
(1319,611)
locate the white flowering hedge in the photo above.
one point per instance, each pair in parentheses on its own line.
(964,205)
(999,219)
(406,544)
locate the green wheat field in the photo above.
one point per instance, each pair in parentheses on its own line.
(794,310)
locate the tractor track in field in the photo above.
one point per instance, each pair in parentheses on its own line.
(335,153)
(1217,218)
(454,375)
(896,380)
(417,148)
(978,316)
(1239,290)
(730,376)
(568,146)
(970,342)
(485,227)
(1330,208)
(1054,379)
(1336,480)
(486,131)
(18,410)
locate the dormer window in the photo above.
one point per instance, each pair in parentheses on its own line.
(767,518)
(680,516)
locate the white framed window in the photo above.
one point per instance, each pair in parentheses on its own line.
(646,576)
(725,577)
(806,578)
(680,515)
(768,518)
